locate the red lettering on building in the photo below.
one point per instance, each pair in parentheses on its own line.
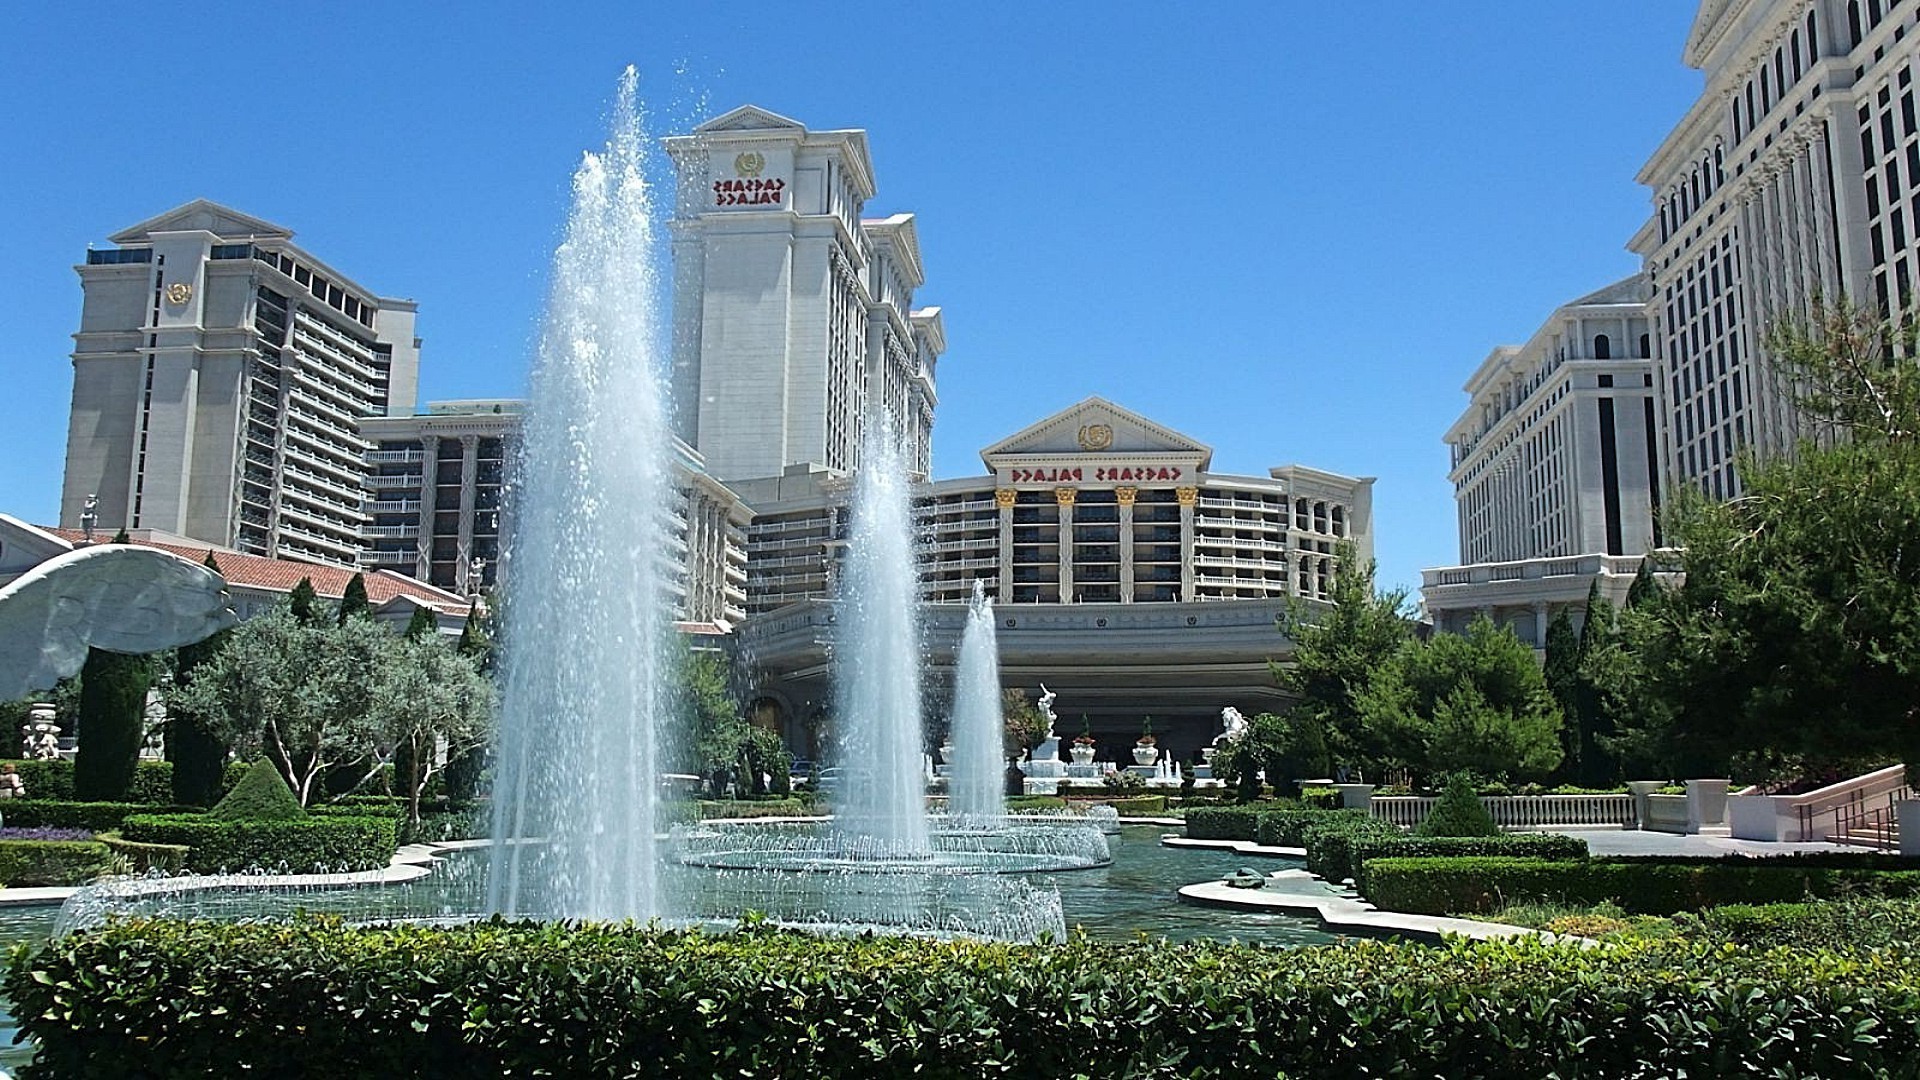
(753,192)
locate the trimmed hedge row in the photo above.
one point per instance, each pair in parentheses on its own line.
(1477,885)
(30,863)
(169,858)
(356,843)
(1342,852)
(1330,842)
(67,814)
(161,1000)
(1851,923)
(152,780)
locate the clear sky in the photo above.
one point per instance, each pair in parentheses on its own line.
(1289,230)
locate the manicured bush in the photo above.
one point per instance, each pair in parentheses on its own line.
(1321,798)
(66,814)
(152,781)
(1848,923)
(356,843)
(168,858)
(113,703)
(1139,805)
(162,1000)
(1459,812)
(30,863)
(1330,842)
(1512,845)
(1469,886)
(1222,823)
(261,795)
(1287,826)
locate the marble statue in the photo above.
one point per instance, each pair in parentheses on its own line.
(115,597)
(1236,725)
(1045,705)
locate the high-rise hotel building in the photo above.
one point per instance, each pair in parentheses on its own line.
(221,375)
(1796,175)
(1555,468)
(793,317)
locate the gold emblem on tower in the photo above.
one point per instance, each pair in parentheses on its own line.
(179,292)
(749,163)
(1096,436)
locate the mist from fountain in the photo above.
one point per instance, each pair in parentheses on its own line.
(881,804)
(584,648)
(976,778)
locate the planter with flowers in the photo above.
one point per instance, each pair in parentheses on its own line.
(1145,748)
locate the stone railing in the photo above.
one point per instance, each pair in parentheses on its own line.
(1519,811)
(1816,815)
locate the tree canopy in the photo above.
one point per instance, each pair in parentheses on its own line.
(1337,650)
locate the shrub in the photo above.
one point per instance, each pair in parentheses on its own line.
(1287,826)
(152,781)
(1321,798)
(1330,842)
(159,999)
(168,858)
(261,795)
(1139,805)
(1020,803)
(1459,812)
(1222,823)
(63,814)
(357,843)
(1477,885)
(1513,845)
(1849,923)
(26,863)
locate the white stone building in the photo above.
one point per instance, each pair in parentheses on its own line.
(221,375)
(793,316)
(1795,175)
(1555,469)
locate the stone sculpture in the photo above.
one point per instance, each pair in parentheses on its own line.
(115,597)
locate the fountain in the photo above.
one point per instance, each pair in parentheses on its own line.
(584,646)
(976,785)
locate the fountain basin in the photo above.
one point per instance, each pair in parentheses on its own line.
(957,847)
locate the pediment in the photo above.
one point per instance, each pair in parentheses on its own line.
(202,215)
(750,118)
(1096,426)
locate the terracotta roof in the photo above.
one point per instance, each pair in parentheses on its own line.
(281,575)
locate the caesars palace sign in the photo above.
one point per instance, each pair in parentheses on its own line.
(746,187)
(1094,438)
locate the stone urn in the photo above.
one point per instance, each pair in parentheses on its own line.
(946,753)
(1145,753)
(1082,755)
(1206,755)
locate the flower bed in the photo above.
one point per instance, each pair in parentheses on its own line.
(313,999)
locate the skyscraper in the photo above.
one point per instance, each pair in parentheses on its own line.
(794,323)
(221,374)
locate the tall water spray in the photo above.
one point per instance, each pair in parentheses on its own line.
(585,642)
(976,780)
(881,805)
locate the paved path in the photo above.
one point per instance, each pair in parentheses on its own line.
(1708,845)
(1300,893)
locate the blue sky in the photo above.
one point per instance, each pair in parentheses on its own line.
(1288,230)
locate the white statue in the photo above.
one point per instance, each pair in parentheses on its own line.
(1236,725)
(115,597)
(1045,706)
(40,736)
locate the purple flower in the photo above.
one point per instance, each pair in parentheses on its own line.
(45,834)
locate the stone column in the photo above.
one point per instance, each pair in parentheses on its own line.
(1003,499)
(1539,624)
(429,476)
(1125,496)
(1063,500)
(469,477)
(1188,498)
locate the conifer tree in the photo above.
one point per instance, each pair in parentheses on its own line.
(301,600)
(121,537)
(1562,672)
(354,600)
(113,705)
(423,624)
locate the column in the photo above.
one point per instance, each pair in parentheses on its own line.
(1539,624)
(1124,496)
(1003,499)
(463,548)
(429,476)
(1063,499)
(1188,497)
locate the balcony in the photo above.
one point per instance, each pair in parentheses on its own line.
(389,558)
(390,532)
(395,457)
(391,507)
(390,483)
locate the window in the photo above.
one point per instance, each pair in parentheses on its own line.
(1602,347)
(1646,347)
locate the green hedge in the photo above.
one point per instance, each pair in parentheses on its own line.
(66,814)
(152,780)
(1350,854)
(168,858)
(1139,805)
(358,843)
(30,863)
(1331,840)
(1222,823)
(312,999)
(1468,886)
(1848,923)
